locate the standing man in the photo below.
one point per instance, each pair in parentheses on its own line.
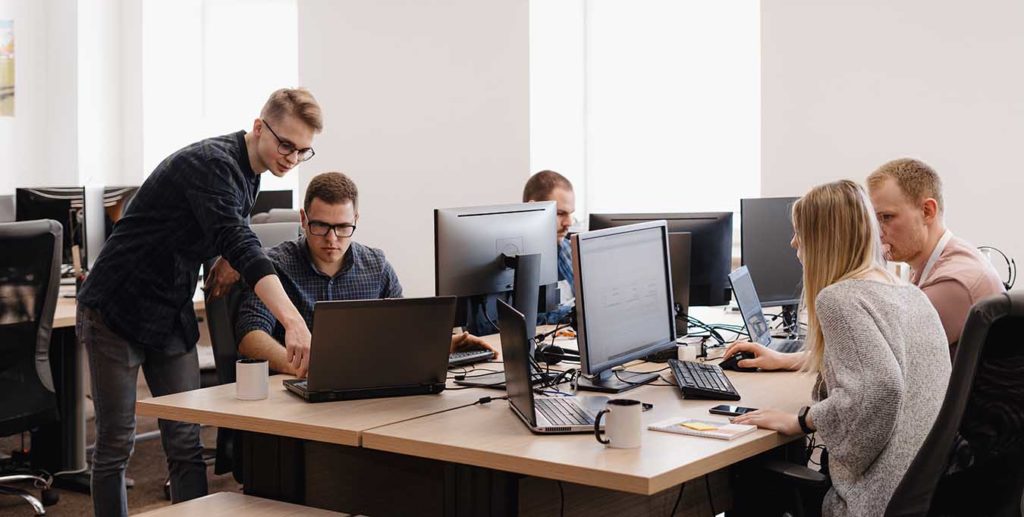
(907,195)
(135,308)
(552,186)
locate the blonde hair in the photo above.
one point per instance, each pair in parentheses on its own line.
(838,235)
(915,178)
(294,101)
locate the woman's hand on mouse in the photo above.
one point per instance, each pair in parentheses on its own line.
(764,358)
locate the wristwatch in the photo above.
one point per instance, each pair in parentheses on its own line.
(801,418)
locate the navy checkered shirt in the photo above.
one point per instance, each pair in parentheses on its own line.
(365,275)
(193,207)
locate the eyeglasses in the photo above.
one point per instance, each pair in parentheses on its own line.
(342,230)
(286,148)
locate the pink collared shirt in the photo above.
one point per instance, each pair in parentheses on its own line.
(958,279)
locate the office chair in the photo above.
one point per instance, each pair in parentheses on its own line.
(220,317)
(282,215)
(972,462)
(29,283)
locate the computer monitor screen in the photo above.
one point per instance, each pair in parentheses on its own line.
(624,305)
(710,249)
(766,229)
(474,256)
(65,205)
(268,199)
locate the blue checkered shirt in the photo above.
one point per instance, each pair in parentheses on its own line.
(365,275)
(564,273)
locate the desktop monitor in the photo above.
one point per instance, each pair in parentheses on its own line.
(66,205)
(766,229)
(710,245)
(7,209)
(268,199)
(624,306)
(485,253)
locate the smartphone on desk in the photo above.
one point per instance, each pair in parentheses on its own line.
(725,409)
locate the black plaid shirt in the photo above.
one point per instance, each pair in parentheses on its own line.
(365,275)
(192,208)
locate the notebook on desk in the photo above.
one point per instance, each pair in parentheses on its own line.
(753,315)
(377,348)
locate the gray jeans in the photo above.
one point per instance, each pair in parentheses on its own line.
(114,366)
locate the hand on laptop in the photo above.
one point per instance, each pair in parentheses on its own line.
(296,343)
(764,358)
(467,340)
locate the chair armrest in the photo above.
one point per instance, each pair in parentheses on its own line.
(797,473)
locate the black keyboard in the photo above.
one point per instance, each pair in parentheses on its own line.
(563,411)
(702,380)
(464,357)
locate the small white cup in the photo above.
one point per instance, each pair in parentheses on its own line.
(252,379)
(623,427)
(687,352)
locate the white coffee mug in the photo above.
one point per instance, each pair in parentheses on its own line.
(252,379)
(623,427)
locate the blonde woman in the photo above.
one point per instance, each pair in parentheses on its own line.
(876,344)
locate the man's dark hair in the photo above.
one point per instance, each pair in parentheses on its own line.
(333,188)
(540,185)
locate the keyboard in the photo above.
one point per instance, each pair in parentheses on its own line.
(464,357)
(563,411)
(702,380)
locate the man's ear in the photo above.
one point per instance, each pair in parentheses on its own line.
(303,218)
(930,209)
(257,126)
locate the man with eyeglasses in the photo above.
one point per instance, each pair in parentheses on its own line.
(135,308)
(324,264)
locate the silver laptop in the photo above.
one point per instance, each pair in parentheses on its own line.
(377,348)
(753,316)
(541,414)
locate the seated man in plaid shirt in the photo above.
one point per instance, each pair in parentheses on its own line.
(324,264)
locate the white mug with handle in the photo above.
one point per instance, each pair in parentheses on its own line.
(623,427)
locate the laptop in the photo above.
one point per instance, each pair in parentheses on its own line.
(540,413)
(753,316)
(377,348)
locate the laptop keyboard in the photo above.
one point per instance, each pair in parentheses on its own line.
(464,357)
(563,411)
(701,380)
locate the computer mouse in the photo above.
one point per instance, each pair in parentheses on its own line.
(732,363)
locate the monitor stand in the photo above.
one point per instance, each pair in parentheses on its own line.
(482,311)
(608,382)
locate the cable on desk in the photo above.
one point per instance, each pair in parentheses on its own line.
(679,499)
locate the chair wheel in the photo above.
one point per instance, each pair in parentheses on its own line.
(50,496)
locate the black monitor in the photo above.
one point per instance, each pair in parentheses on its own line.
(710,250)
(624,306)
(485,253)
(66,205)
(267,199)
(766,229)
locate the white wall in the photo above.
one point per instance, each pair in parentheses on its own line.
(849,85)
(426,105)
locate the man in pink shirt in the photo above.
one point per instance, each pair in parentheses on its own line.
(907,195)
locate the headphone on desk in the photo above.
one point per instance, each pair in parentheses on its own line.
(1011,266)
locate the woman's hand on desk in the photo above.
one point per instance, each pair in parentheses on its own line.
(764,358)
(467,340)
(785,423)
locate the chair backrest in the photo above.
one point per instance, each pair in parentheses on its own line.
(971,461)
(30,257)
(283,215)
(220,313)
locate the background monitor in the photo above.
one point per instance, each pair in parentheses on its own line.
(267,199)
(766,229)
(624,306)
(475,251)
(710,254)
(65,205)
(7,209)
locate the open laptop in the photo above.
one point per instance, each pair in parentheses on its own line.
(377,348)
(541,414)
(753,316)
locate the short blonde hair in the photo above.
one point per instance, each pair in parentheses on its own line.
(838,235)
(294,101)
(915,178)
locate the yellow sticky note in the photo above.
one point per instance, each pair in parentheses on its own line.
(697,426)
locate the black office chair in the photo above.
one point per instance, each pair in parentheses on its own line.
(29,281)
(972,462)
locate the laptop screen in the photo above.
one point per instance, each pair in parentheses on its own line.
(515,349)
(749,305)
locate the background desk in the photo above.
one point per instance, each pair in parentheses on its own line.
(394,456)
